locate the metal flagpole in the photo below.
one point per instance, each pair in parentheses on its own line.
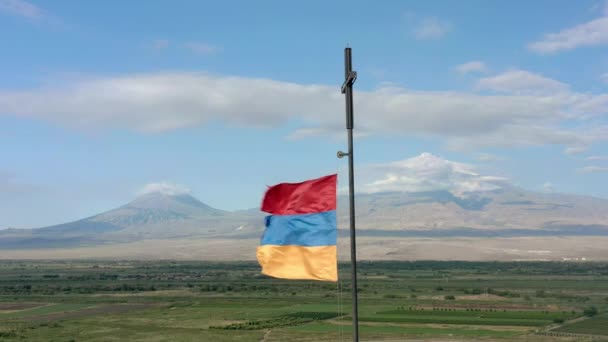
(347,89)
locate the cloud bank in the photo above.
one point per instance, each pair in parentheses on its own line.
(522,82)
(594,32)
(426,172)
(517,108)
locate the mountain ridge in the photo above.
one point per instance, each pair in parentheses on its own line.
(507,211)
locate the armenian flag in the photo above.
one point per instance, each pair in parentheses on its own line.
(301,233)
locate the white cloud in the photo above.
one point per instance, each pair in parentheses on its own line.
(21,8)
(426,172)
(605,77)
(203,48)
(573,150)
(164,188)
(597,158)
(431,28)
(548,187)
(166,101)
(472,67)
(592,33)
(593,169)
(521,82)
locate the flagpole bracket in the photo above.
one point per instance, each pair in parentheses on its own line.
(341,154)
(351,77)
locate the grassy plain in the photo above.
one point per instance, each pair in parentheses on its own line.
(205,301)
(595,326)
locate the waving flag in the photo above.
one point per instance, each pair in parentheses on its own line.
(301,233)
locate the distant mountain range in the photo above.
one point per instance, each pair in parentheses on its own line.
(508,208)
(150,216)
(506,212)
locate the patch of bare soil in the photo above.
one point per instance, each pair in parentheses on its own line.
(19,306)
(481,297)
(483,306)
(370,248)
(160,293)
(441,326)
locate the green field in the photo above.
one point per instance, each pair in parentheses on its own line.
(43,310)
(204,301)
(593,326)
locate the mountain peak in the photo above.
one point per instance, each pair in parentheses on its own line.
(180,202)
(164,188)
(171,198)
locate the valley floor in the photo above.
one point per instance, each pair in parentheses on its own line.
(569,248)
(99,300)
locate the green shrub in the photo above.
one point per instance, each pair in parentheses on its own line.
(391,296)
(590,311)
(8,334)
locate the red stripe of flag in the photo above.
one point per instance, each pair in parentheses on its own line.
(309,197)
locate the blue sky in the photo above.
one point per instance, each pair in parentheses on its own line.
(99,99)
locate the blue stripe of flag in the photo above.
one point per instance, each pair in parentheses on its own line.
(301,230)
